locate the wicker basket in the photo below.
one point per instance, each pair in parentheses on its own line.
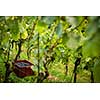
(23,68)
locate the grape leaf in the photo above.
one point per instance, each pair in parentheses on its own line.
(59,30)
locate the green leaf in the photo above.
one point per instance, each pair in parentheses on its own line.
(65,38)
(72,43)
(41,27)
(97,71)
(15,36)
(92,28)
(13,26)
(5,39)
(94,25)
(48,19)
(59,29)
(91,47)
(2,18)
(21,28)
(78,19)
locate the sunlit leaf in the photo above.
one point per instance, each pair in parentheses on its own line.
(24,35)
(41,27)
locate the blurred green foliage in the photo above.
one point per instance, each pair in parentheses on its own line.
(60,38)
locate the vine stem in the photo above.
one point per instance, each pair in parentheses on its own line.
(7,65)
(38,56)
(38,60)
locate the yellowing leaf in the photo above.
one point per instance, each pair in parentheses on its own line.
(24,35)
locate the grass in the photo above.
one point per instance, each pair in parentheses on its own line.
(57,73)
